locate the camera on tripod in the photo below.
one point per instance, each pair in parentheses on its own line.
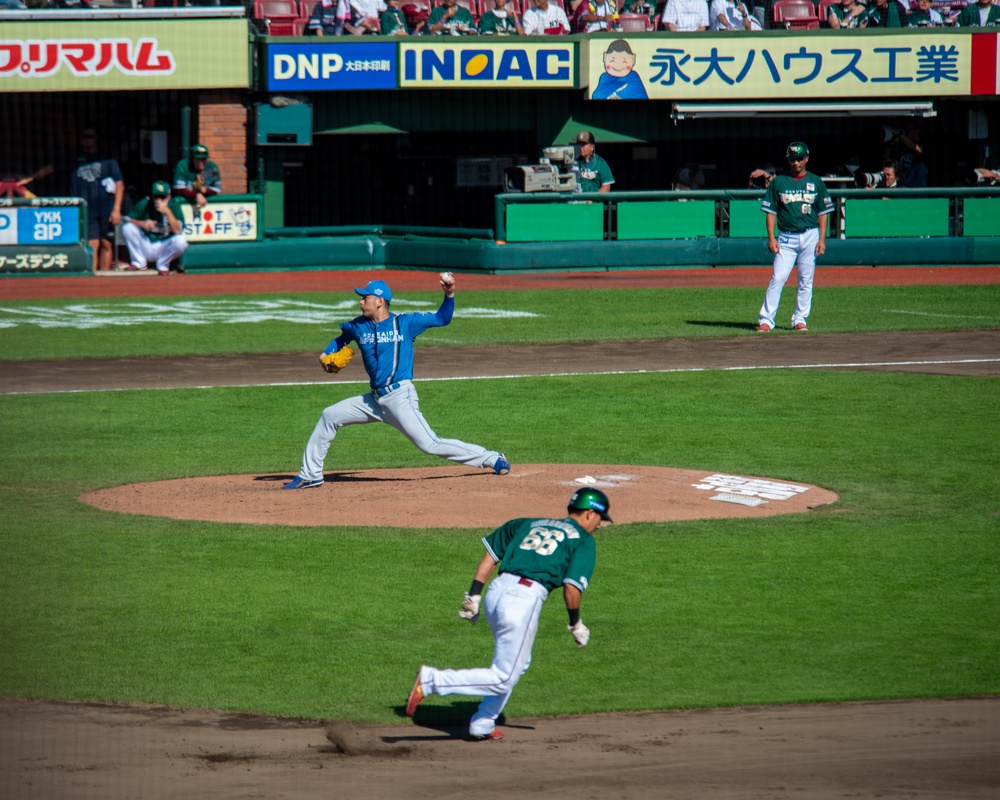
(556,173)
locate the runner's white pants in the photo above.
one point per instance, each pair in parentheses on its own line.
(141,250)
(511,610)
(399,408)
(793,247)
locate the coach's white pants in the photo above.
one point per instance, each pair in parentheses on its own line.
(141,250)
(399,408)
(511,610)
(793,247)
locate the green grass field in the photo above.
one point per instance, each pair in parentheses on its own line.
(892,592)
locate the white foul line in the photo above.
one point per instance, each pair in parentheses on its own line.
(844,365)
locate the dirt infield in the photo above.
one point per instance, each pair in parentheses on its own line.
(456,497)
(922,748)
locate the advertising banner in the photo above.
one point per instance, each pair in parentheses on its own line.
(454,63)
(47,259)
(103,55)
(851,64)
(222,222)
(330,66)
(39,226)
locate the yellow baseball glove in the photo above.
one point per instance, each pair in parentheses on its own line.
(335,362)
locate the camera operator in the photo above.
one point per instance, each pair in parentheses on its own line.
(888,178)
(594,172)
(761,177)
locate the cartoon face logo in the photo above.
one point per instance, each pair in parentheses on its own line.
(619,63)
(244,220)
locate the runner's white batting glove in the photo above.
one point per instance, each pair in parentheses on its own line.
(470,607)
(581,633)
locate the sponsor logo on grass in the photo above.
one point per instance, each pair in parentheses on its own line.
(206,312)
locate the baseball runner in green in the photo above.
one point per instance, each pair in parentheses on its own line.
(536,555)
(798,205)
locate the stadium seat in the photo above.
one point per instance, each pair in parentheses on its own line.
(513,5)
(416,11)
(635,23)
(300,26)
(306,8)
(278,15)
(823,10)
(795,14)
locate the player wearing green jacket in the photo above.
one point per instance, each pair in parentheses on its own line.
(535,555)
(196,178)
(594,172)
(500,21)
(981,14)
(451,18)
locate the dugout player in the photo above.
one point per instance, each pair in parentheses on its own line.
(595,174)
(797,208)
(385,341)
(536,555)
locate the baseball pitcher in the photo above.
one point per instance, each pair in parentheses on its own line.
(385,341)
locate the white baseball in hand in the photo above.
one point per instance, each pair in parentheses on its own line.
(447,277)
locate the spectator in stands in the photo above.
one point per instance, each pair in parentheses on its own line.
(196,178)
(847,15)
(732,15)
(152,230)
(451,18)
(883,14)
(686,15)
(645,7)
(394,23)
(500,21)
(980,14)
(96,177)
(365,14)
(575,12)
(924,16)
(594,172)
(600,15)
(328,18)
(545,18)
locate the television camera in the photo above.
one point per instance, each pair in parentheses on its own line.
(557,172)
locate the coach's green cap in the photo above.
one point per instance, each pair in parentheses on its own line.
(160,189)
(199,151)
(797,150)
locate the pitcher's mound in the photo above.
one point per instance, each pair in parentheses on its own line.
(460,497)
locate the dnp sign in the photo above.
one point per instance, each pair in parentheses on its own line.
(331,66)
(476,65)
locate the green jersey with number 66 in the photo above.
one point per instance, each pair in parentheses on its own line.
(550,551)
(798,202)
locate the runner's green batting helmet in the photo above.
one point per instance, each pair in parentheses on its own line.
(594,499)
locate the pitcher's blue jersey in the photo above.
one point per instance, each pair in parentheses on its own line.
(387,347)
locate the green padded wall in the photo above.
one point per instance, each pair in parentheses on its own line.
(555,222)
(669,219)
(905,216)
(746,220)
(982,216)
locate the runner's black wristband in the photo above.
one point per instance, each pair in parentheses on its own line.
(476,588)
(574,616)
